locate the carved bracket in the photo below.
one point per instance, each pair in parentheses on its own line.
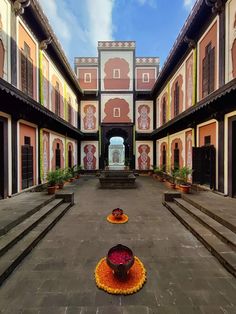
(44,43)
(216,5)
(20,5)
(191,43)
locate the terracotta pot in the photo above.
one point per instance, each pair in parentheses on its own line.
(52,190)
(71,179)
(60,186)
(78,176)
(172,185)
(185,188)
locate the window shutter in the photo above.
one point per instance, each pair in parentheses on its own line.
(212,70)
(205,66)
(23,68)
(30,78)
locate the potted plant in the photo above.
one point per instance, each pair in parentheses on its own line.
(174,175)
(72,173)
(183,174)
(78,169)
(159,173)
(52,178)
(67,175)
(61,178)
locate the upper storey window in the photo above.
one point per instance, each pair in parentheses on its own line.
(69,111)
(26,70)
(145,78)
(176,99)
(87,78)
(208,70)
(57,99)
(116,73)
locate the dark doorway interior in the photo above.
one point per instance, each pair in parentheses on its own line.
(204,165)
(1,160)
(234,158)
(27,163)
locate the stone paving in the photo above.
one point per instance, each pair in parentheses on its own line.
(58,276)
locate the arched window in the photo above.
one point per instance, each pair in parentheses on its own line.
(70,156)
(176,156)
(176,99)
(58,156)
(164,158)
(57,99)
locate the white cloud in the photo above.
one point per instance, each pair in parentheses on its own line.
(79,24)
(189,4)
(151,3)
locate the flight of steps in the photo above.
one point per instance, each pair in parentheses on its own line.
(217,234)
(19,241)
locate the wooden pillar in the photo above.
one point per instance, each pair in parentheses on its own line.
(221,154)
(14,156)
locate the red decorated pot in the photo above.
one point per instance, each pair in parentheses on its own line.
(117,213)
(120,259)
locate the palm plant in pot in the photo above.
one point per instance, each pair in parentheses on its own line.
(183,174)
(67,175)
(174,175)
(52,178)
(61,178)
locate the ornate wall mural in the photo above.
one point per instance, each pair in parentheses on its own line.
(189,82)
(188,149)
(144,155)
(89,116)
(4,39)
(89,155)
(144,116)
(46,164)
(45,73)
(233,49)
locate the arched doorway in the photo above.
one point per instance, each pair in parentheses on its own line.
(116,152)
(122,131)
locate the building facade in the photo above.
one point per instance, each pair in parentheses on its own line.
(117,102)
(183,115)
(39,97)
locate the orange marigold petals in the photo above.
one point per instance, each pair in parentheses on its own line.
(106,280)
(123,220)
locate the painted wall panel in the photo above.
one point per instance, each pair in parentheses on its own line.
(230,40)
(5,37)
(145,78)
(144,155)
(117,108)
(89,155)
(89,116)
(116,70)
(144,116)
(88,77)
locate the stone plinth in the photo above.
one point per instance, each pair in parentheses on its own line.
(117,179)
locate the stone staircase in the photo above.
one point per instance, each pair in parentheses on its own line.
(19,240)
(215,233)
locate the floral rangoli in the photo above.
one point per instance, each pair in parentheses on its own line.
(106,280)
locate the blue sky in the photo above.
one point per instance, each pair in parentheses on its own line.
(153,24)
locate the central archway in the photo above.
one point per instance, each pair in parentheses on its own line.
(122,131)
(116,152)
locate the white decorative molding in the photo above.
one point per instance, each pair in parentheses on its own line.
(116,45)
(86,61)
(147,61)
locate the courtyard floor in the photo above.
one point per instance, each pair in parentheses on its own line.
(58,276)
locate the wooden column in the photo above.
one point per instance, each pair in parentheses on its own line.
(14,156)
(221,154)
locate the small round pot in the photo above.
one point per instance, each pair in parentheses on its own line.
(71,179)
(120,259)
(185,188)
(117,213)
(173,185)
(52,190)
(78,176)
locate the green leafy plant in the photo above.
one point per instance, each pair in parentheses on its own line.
(53,177)
(183,174)
(67,174)
(159,170)
(174,175)
(61,176)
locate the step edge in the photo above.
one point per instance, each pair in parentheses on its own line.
(230,268)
